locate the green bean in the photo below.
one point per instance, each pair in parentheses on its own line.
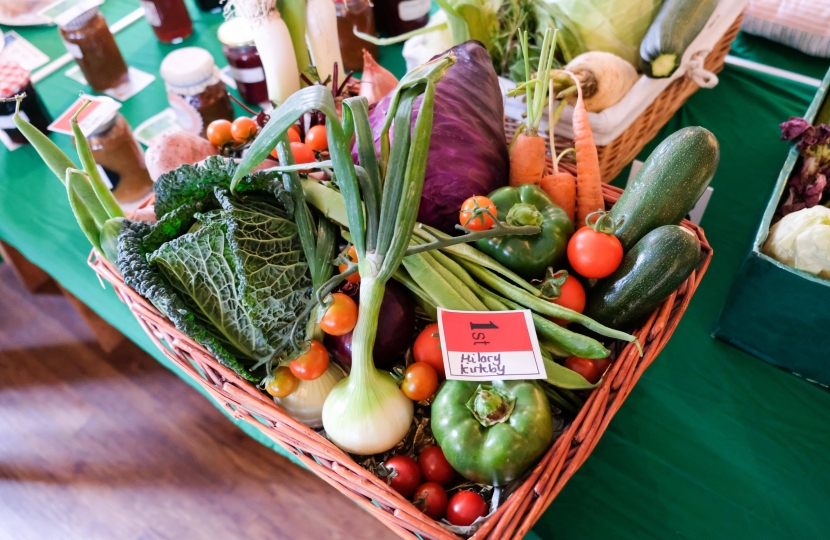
(557,400)
(101,190)
(53,156)
(77,181)
(85,194)
(456,270)
(473,255)
(455,283)
(434,284)
(553,348)
(421,297)
(542,306)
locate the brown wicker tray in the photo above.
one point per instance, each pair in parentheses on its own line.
(519,512)
(615,156)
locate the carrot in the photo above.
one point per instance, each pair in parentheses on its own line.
(561,187)
(527,152)
(527,160)
(588,181)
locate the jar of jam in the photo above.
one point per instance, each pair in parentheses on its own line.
(213,6)
(121,160)
(396,17)
(89,40)
(15,80)
(353,14)
(169,19)
(243,60)
(194,90)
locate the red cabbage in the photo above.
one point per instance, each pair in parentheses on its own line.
(467,151)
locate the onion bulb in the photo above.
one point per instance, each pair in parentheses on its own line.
(377,81)
(605,78)
(305,404)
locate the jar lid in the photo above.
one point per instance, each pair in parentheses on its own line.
(235,32)
(81,19)
(13,78)
(187,69)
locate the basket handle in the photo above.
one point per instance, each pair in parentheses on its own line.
(698,73)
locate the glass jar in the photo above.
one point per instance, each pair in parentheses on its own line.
(169,19)
(15,80)
(396,17)
(243,60)
(194,90)
(353,14)
(89,40)
(214,6)
(121,160)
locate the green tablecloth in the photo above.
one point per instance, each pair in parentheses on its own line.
(712,443)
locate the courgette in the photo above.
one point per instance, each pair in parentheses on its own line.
(648,274)
(668,184)
(677,24)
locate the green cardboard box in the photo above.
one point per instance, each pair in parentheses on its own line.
(773,311)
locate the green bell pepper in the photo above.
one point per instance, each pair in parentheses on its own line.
(492,433)
(529,256)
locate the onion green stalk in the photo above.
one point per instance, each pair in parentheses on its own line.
(366,413)
(274,44)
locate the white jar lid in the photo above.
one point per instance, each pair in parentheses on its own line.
(188,70)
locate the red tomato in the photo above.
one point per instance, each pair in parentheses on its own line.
(602,365)
(219,133)
(427,349)
(294,134)
(283,383)
(571,296)
(352,254)
(431,499)
(594,254)
(585,367)
(316,138)
(434,466)
(406,477)
(472,218)
(341,316)
(465,507)
(243,129)
(302,153)
(420,381)
(312,363)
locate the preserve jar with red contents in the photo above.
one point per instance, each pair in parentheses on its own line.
(353,14)
(194,90)
(396,17)
(89,40)
(169,18)
(243,60)
(15,80)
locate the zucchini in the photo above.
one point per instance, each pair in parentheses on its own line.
(668,184)
(677,24)
(657,265)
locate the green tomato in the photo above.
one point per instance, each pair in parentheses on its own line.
(529,256)
(492,433)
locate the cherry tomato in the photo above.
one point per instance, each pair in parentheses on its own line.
(420,381)
(243,129)
(341,315)
(472,218)
(427,349)
(302,153)
(312,363)
(434,466)
(219,133)
(407,475)
(465,507)
(585,367)
(594,254)
(315,138)
(602,365)
(352,254)
(431,499)
(283,383)
(294,134)
(571,296)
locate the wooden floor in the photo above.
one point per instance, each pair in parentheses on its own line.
(96,446)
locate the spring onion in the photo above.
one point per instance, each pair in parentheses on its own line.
(305,404)
(321,33)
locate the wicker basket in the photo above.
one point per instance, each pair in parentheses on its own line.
(519,512)
(615,156)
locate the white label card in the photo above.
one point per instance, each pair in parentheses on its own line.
(16,48)
(490,345)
